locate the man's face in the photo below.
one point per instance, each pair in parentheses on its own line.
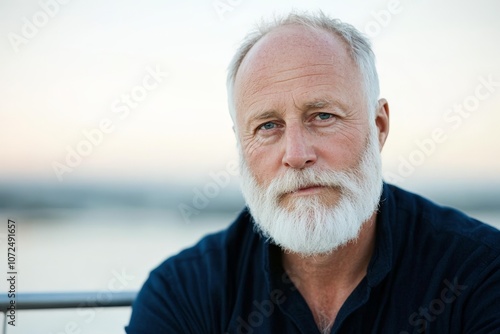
(301,107)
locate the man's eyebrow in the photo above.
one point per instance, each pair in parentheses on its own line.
(265,115)
(324,103)
(317,104)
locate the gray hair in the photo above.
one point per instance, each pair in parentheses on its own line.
(358,46)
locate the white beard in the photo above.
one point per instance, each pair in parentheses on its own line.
(308,226)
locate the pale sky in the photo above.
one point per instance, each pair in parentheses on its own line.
(68,68)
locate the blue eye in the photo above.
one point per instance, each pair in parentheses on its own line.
(324,116)
(268,126)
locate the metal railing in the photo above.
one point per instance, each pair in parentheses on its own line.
(59,300)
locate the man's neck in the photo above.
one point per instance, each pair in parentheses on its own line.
(325,281)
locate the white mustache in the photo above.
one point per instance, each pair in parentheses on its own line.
(294,180)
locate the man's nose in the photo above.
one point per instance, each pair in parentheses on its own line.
(299,151)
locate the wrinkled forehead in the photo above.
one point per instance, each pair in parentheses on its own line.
(291,46)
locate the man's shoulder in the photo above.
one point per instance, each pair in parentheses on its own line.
(443,239)
(442,256)
(426,216)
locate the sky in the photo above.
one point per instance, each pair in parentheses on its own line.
(128,90)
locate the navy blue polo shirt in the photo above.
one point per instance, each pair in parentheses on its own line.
(433,270)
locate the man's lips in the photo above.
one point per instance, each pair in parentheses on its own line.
(309,190)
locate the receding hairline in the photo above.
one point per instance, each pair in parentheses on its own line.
(323,42)
(333,36)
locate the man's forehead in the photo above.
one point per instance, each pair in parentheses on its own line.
(293,46)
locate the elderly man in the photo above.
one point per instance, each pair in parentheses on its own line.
(324,246)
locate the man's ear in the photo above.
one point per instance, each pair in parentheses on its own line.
(382,121)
